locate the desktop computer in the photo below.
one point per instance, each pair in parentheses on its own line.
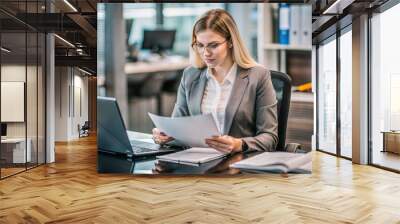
(159,40)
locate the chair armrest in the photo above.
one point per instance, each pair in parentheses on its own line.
(295,147)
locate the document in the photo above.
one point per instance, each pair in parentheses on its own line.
(193,156)
(282,162)
(191,131)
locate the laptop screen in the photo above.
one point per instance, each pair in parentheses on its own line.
(111,131)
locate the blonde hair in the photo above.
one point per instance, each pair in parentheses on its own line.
(221,22)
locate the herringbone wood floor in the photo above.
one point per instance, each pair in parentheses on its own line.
(71,191)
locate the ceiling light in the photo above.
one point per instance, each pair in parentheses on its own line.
(70,5)
(84,71)
(65,41)
(337,7)
(5,49)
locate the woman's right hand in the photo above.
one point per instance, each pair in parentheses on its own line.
(160,137)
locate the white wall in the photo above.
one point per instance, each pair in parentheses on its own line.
(33,126)
(71,94)
(12,73)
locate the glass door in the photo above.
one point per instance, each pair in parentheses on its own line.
(385,89)
(326,96)
(346,93)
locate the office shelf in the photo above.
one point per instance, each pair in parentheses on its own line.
(273,46)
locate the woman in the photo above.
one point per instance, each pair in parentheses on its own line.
(224,80)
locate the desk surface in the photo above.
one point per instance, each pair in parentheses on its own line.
(108,163)
(169,64)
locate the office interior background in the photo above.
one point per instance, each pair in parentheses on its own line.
(333,62)
(144,81)
(353,73)
(356,79)
(48,84)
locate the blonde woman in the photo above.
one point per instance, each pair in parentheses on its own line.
(225,81)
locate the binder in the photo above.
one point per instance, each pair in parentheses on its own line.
(305,26)
(275,23)
(284,23)
(295,23)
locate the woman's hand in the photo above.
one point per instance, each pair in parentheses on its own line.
(225,143)
(160,137)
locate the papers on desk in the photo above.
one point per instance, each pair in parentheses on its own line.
(193,156)
(191,131)
(282,162)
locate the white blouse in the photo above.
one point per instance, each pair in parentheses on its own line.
(216,95)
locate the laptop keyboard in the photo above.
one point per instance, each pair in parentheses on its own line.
(143,147)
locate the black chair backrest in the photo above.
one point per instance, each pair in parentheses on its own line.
(86,125)
(283,87)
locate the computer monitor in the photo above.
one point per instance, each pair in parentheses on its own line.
(158,40)
(3,129)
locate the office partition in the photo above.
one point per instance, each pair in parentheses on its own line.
(22,77)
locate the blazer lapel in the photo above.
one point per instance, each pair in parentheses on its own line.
(238,91)
(196,93)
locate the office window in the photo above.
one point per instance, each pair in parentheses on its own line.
(385,87)
(346,94)
(182,16)
(327,96)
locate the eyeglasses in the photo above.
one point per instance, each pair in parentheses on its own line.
(210,47)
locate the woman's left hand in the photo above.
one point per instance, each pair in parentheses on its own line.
(225,143)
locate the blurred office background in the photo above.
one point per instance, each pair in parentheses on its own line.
(143,73)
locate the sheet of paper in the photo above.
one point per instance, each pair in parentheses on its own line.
(191,131)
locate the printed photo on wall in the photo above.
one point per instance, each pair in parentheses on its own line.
(204,88)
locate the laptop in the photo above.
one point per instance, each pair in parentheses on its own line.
(112,136)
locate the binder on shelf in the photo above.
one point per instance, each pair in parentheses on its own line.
(305,27)
(275,23)
(284,23)
(295,23)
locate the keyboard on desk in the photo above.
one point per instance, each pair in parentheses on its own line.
(144,148)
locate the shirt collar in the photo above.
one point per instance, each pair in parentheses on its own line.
(230,77)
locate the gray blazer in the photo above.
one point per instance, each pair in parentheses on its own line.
(251,112)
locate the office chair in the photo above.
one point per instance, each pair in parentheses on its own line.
(150,87)
(172,85)
(84,130)
(283,87)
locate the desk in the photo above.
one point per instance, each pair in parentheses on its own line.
(391,141)
(138,71)
(168,65)
(13,150)
(108,163)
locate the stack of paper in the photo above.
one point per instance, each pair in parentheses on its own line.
(191,131)
(277,162)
